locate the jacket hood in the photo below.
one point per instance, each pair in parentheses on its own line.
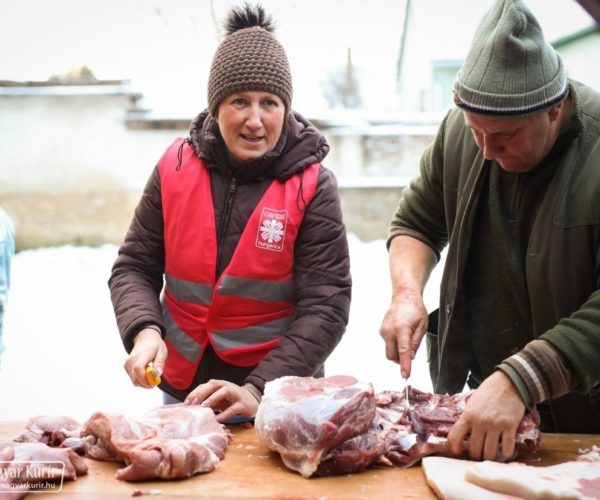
(301,144)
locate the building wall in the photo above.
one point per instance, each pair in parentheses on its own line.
(70,168)
(74,161)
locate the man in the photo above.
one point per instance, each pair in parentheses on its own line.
(511,184)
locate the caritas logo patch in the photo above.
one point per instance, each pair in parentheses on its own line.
(271,230)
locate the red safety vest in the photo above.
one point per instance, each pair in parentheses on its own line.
(245,312)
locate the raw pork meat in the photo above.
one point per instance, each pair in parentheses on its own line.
(174,441)
(445,476)
(336,426)
(303,418)
(574,479)
(23,461)
(49,430)
(359,452)
(455,479)
(431,416)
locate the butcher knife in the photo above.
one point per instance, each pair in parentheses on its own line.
(406,392)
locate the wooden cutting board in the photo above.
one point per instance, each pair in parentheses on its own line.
(251,471)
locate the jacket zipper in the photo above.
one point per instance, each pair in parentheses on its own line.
(517,195)
(225,221)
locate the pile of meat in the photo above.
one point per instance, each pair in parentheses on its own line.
(454,479)
(174,441)
(338,425)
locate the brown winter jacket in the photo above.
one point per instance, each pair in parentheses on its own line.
(321,267)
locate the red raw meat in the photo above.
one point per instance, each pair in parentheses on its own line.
(49,430)
(174,441)
(433,415)
(359,452)
(23,461)
(573,479)
(303,418)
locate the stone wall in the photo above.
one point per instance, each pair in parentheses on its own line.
(47,219)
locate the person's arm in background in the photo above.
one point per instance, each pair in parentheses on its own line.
(7,250)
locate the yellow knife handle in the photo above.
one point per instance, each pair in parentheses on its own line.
(152,374)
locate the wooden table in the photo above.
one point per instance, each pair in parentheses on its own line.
(251,471)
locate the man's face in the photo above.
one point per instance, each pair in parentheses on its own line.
(517,144)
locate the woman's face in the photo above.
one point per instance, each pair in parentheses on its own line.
(250,123)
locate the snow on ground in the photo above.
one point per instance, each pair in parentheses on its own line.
(64,355)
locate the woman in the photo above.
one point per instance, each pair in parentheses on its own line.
(245,226)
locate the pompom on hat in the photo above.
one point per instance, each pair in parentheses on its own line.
(249,58)
(510,69)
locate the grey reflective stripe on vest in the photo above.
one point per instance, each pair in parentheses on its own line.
(181,340)
(251,335)
(268,291)
(189,291)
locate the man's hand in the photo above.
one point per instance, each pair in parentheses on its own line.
(411,262)
(229,398)
(403,328)
(148,345)
(491,419)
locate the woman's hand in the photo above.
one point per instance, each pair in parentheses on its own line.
(148,346)
(228,398)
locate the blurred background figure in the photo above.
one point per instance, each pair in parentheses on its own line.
(7,250)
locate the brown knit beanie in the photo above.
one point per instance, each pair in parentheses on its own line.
(249,58)
(510,69)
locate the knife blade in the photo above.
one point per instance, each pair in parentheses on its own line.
(406,392)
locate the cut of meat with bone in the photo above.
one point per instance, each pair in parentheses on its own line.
(63,432)
(174,441)
(111,434)
(336,425)
(49,430)
(359,452)
(21,464)
(303,418)
(46,457)
(432,416)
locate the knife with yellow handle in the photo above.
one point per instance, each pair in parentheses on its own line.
(152,374)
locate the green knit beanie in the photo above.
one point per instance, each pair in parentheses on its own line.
(249,58)
(510,69)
